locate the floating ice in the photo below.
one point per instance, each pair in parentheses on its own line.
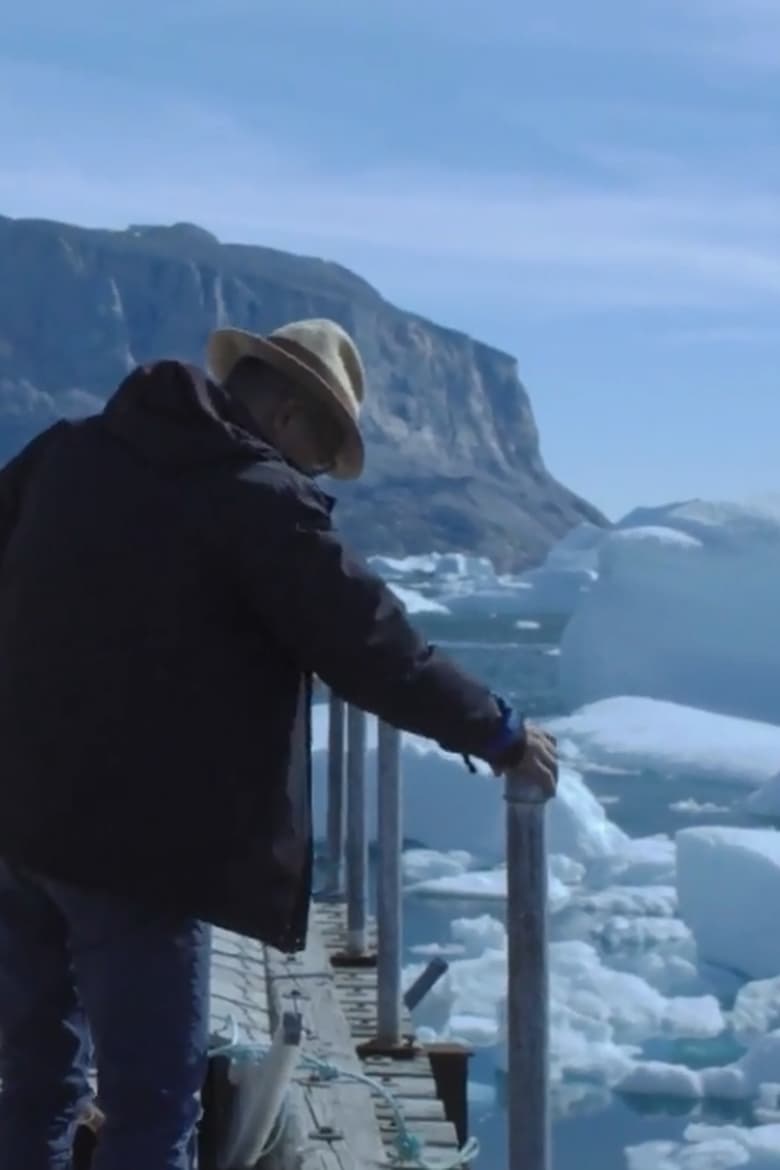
(462,1005)
(711,1147)
(578,826)
(433,781)
(439,567)
(469,584)
(644,901)
(643,861)
(728,885)
(600,1015)
(415,602)
(569,571)
(424,865)
(685,609)
(765,801)
(631,976)
(490,885)
(754,1075)
(669,738)
(756,1009)
(699,808)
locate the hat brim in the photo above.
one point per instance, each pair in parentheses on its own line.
(226,346)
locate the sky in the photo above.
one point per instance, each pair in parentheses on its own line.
(592,186)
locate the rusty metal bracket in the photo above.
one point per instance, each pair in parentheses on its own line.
(450,1065)
(406,1048)
(326,1133)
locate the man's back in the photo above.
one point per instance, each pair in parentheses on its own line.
(145,714)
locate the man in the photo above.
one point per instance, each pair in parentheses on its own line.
(170,580)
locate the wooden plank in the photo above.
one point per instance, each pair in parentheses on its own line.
(407,1087)
(431,1133)
(379,1066)
(410,1081)
(412,1108)
(340,1108)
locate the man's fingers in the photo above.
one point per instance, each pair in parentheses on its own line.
(544,755)
(543,777)
(541,769)
(547,750)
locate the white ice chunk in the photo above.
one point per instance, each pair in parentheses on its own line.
(711,1147)
(669,738)
(728,885)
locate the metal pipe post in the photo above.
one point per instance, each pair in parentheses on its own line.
(527,1023)
(389,821)
(357,845)
(335,794)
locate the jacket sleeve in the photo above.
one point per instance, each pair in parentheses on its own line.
(13,478)
(341,622)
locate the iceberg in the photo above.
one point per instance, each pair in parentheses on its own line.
(454,583)
(415,602)
(436,568)
(469,585)
(635,733)
(432,780)
(728,889)
(559,584)
(684,609)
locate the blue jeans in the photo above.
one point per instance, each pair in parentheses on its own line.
(78,969)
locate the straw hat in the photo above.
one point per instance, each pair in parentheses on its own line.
(321,358)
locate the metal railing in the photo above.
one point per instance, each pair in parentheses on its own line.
(527,1024)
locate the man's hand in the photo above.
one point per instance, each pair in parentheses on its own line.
(536,760)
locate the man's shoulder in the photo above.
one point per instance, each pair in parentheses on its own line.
(274,480)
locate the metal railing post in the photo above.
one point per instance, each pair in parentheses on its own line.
(357,845)
(528,1111)
(335,824)
(389,822)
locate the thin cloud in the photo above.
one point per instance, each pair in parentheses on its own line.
(694,243)
(643,227)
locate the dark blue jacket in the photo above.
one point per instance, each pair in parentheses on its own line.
(167,585)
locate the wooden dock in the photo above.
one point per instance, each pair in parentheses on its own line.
(331,1124)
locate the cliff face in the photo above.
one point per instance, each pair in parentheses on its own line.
(453,449)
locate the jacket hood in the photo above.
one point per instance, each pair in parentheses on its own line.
(173,415)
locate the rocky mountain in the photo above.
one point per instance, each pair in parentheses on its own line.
(453,449)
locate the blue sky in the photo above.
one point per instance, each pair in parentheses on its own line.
(594,187)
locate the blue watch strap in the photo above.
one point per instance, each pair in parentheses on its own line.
(511,731)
